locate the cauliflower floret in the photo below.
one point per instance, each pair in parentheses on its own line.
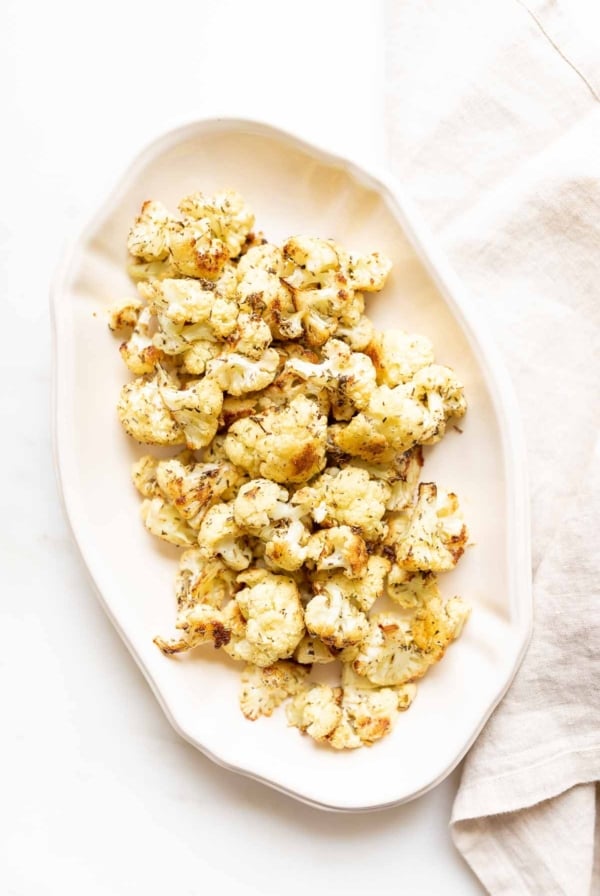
(238,374)
(358,336)
(144,415)
(388,654)
(438,389)
(251,337)
(398,355)
(367,272)
(320,288)
(312,650)
(199,624)
(258,503)
(436,536)
(286,386)
(123,315)
(436,625)
(183,309)
(338,548)
(405,693)
(180,300)
(348,497)
(344,719)
(270,622)
(401,474)
(197,356)
(368,715)
(143,476)
(316,711)
(324,280)
(392,423)
(198,243)
(362,592)
(163,520)
(398,650)
(262,289)
(397,419)
(139,352)
(284,444)
(193,488)
(261,509)
(220,536)
(236,408)
(210,233)
(348,377)
(230,219)
(411,589)
(149,236)
(265,688)
(334,618)
(201,581)
(196,408)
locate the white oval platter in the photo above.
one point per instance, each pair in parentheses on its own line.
(295,187)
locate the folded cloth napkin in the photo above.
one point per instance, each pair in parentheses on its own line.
(494,129)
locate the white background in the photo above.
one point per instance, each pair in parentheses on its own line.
(97,793)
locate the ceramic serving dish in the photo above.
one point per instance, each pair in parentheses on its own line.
(294,187)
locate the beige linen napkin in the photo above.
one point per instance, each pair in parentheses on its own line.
(494,126)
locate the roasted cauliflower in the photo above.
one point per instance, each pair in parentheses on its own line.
(290,433)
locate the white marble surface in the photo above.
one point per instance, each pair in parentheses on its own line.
(98,794)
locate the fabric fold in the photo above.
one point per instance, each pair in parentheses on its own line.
(494,130)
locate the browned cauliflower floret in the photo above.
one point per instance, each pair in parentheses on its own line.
(401,474)
(347,376)
(251,337)
(399,650)
(199,624)
(197,356)
(237,374)
(344,718)
(348,497)
(220,536)
(193,488)
(228,216)
(316,711)
(285,444)
(436,535)
(362,592)
(143,476)
(389,655)
(149,237)
(436,625)
(405,693)
(312,650)
(199,241)
(187,312)
(320,288)
(267,622)
(163,520)
(195,408)
(264,688)
(201,581)
(145,416)
(396,419)
(139,352)
(334,618)
(367,716)
(261,508)
(261,288)
(411,589)
(398,355)
(123,314)
(338,548)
